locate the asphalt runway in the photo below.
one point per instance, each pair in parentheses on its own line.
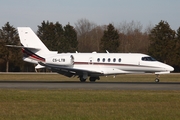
(89,86)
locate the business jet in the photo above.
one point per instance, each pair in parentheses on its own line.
(84,65)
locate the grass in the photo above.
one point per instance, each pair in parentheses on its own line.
(119,78)
(76,104)
(89,105)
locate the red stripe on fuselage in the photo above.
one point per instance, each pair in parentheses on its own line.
(32,55)
(111,64)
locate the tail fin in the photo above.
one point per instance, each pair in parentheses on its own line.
(30,40)
(33,48)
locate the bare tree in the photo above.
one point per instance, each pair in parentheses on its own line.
(132,38)
(95,36)
(84,29)
(84,26)
(129,28)
(149,28)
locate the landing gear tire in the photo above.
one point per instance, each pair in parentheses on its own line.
(82,79)
(92,79)
(156,80)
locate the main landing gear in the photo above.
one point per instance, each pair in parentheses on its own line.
(157,78)
(82,79)
(91,79)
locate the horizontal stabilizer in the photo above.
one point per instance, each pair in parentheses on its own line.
(15,46)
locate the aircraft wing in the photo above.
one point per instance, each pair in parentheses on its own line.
(69,71)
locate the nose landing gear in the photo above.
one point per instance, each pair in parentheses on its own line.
(157,78)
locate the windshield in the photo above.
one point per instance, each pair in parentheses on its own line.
(148,59)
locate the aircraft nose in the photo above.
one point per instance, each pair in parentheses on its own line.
(169,68)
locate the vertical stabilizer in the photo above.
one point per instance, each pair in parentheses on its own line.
(30,40)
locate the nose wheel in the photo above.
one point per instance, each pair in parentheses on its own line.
(157,78)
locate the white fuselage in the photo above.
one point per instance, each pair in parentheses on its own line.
(108,63)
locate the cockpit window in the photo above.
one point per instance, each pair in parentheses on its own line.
(148,59)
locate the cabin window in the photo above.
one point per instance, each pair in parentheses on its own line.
(109,60)
(119,59)
(148,59)
(103,59)
(98,59)
(114,60)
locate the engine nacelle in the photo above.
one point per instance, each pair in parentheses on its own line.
(65,60)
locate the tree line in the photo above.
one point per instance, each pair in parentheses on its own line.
(160,41)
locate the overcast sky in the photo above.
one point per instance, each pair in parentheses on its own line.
(32,12)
